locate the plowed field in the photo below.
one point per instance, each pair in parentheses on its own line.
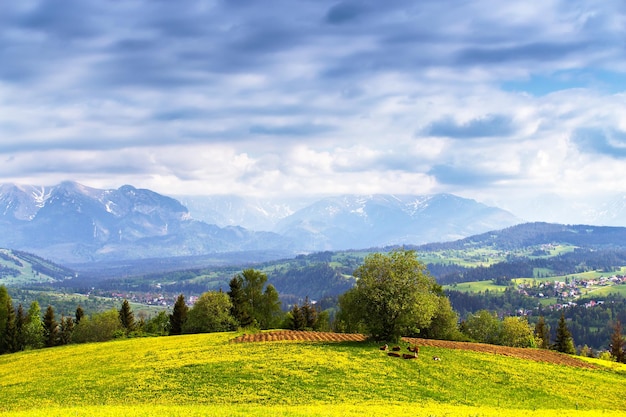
(539,355)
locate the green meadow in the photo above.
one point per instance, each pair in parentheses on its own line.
(198,375)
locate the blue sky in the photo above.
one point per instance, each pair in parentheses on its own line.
(509,103)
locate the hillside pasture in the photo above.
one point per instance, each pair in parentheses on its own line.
(208,374)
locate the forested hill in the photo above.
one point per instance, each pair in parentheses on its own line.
(532,234)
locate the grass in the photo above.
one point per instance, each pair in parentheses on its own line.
(207,375)
(476,286)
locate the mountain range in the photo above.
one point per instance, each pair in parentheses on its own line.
(73,223)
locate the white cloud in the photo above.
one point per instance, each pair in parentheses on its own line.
(484,99)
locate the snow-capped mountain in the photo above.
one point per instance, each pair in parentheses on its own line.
(357,221)
(249,212)
(74,223)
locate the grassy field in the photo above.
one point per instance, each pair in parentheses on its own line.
(207,375)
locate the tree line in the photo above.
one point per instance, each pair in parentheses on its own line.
(394,296)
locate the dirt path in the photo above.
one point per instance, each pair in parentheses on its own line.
(539,355)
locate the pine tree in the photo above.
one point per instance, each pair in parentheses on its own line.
(617,343)
(78,315)
(297,322)
(50,328)
(33,327)
(542,333)
(9,342)
(20,321)
(127,318)
(309,312)
(4,297)
(564,342)
(178,316)
(240,308)
(66,328)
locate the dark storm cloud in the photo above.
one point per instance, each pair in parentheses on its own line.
(493,125)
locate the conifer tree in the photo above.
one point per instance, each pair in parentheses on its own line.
(78,315)
(240,309)
(9,342)
(542,333)
(178,316)
(20,321)
(66,328)
(617,343)
(127,318)
(33,328)
(4,297)
(297,320)
(309,313)
(564,342)
(50,328)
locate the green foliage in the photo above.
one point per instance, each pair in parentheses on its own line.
(33,328)
(179,316)
(254,299)
(563,341)
(80,313)
(5,299)
(20,322)
(482,327)
(394,295)
(9,340)
(240,310)
(305,317)
(542,333)
(127,318)
(50,328)
(444,325)
(99,327)
(617,343)
(211,313)
(516,332)
(66,330)
(158,325)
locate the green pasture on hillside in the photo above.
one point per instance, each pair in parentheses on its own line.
(198,375)
(476,286)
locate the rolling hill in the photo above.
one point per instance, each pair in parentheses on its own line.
(207,374)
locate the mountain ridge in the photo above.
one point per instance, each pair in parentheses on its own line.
(75,223)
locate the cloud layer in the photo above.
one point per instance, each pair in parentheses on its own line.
(497,102)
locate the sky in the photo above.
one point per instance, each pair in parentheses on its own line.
(515,104)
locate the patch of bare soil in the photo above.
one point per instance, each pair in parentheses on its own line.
(539,355)
(300,335)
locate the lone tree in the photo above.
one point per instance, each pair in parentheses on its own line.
(178,316)
(394,295)
(617,343)
(564,342)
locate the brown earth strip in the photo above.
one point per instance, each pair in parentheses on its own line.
(539,355)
